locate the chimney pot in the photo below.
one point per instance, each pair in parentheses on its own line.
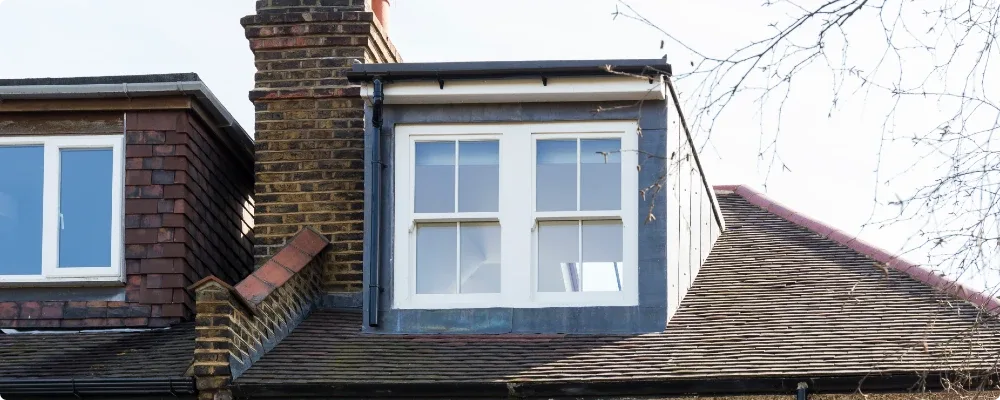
(381,10)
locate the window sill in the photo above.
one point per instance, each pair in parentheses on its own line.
(32,282)
(548,300)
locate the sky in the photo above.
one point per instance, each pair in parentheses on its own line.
(831,157)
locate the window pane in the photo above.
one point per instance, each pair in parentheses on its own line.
(555,175)
(85,207)
(600,174)
(558,255)
(602,256)
(480,257)
(434,175)
(436,264)
(479,176)
(21,176)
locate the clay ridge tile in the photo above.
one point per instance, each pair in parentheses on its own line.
(299,252)
(252,290)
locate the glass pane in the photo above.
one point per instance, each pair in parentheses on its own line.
(601,269)
(600,174)
(479,176)
(85,207)
(480,258)
(21,176)
(555,175)
(558,255)
(434,175)
(436,264)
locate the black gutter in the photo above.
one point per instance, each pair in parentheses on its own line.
(373,231)
(98,386)
(790,386)
(505,69)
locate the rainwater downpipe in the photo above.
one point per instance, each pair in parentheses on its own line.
(373,236)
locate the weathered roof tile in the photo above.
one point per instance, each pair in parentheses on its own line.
(162,353)
(773,299)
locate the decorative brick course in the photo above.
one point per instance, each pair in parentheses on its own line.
(237,325)
(310,126)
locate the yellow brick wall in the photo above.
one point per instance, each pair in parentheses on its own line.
(310,128)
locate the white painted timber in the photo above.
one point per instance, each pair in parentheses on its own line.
(520,90)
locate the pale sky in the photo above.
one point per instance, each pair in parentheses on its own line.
(831,159)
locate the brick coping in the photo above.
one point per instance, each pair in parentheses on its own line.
(299,252)
(893,261)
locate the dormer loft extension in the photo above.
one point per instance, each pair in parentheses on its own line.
(523,195)
(512,188)
(115,194)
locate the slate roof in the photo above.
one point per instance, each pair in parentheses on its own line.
(772,300)
(164,353)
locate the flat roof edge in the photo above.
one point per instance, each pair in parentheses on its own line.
(109,79)
(126,86)
(504,69)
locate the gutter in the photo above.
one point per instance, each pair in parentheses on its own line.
(392,72)
(98,386)
(197,89)
(779,386)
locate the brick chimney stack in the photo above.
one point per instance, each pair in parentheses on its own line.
(309,127)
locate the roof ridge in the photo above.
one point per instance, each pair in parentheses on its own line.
(891,260)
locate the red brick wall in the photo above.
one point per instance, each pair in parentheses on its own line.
(186,186)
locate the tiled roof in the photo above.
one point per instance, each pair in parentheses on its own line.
(163,353)
(772,300)
(893,261)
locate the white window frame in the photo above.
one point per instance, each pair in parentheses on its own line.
(517,218)
(50,271)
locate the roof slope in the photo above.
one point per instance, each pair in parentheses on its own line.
(164,353)
(772,300)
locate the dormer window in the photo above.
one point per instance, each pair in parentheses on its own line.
(516,215)
(61,208)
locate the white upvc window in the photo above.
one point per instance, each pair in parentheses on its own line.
(516,215)
(61,208)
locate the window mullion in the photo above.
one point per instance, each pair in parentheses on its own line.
(458,229)
(579,190)
(517,196)
(458,258)
(50,209)
(579,248)
(456,177)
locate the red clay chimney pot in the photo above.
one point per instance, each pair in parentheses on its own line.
(381,10)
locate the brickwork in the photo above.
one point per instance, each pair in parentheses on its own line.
(181,181)
(186,186)
(236,326)
(310,126)
(217,308)
(218,215)
(84,314)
